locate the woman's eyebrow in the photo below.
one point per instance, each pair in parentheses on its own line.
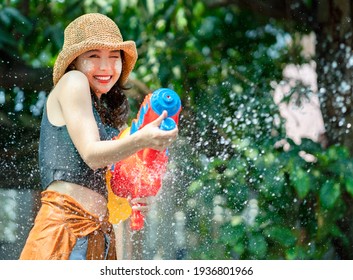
(112,51)
(92,51)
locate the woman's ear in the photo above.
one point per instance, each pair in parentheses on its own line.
(71,66)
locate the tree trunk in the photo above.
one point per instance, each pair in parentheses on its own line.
(334,71)
(335,68)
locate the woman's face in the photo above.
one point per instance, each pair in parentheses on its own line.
(101,67)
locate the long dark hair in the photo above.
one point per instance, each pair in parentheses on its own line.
(113,107)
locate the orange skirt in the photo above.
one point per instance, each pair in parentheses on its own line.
(60,221)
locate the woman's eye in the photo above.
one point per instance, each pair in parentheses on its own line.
(93,56)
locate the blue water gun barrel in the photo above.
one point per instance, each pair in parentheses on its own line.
(160,100)
(165,99)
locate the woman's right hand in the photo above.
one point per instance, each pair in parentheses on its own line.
(155,138)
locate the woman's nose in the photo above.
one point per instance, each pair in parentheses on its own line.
(103,64)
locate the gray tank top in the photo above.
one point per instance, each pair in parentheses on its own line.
(59,160)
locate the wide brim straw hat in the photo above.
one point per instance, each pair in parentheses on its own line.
(90,32)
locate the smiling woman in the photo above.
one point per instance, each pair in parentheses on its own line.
(101,67)
(86,108)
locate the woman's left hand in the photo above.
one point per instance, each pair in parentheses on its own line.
(142,204)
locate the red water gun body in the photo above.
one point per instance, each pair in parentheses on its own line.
(140,175)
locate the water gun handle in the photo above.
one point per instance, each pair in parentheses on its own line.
(137,220)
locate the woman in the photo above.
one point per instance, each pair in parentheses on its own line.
(83,111)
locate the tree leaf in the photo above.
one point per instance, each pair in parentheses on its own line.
(257,246)
(282,235)
(349,185)
(329,194)
(301,181)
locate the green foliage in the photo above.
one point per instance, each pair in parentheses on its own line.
(294,209)
(14,28)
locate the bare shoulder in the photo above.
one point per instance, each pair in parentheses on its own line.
(73,79)
(70,93)
(73,74)
(74,84)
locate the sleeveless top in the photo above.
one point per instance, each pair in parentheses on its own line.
(59,159)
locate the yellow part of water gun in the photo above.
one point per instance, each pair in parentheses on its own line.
(119,207)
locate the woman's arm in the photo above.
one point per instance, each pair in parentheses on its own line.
(74,97)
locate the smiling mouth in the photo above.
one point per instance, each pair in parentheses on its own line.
(103,79)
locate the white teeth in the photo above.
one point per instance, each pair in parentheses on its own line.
(103,78)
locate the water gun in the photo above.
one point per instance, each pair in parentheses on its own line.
(140,175)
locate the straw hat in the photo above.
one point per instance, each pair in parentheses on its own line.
(90,32)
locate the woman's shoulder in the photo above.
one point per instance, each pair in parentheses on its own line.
(71,82)
(73,77)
